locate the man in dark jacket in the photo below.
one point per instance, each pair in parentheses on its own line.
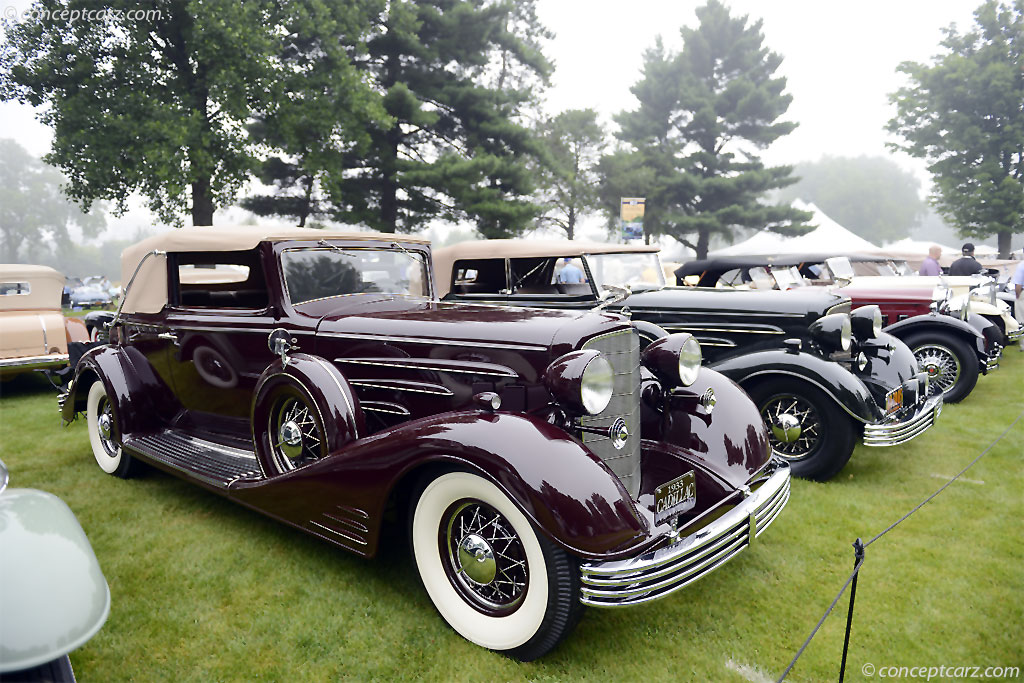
(966,264)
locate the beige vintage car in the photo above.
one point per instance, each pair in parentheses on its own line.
(34,334)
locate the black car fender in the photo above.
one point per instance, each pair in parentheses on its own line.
(970,331)
(838,383)
(131,383)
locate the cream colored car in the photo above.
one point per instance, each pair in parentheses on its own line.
(34,334)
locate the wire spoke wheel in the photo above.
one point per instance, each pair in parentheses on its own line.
(942,366)
(296,436)
(794,426)
(484,558)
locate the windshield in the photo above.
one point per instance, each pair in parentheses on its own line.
(841,268)
(626,269)
(788,278)
(321,273)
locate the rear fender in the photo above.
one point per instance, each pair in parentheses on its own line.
(142,398)
(838,383)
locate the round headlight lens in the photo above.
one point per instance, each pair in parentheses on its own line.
(597,385)
(689,362)
(876,324)
(846,335)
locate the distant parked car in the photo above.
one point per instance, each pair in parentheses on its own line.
(34,334)
(538,459)
(823,377)
(90,295)
(53,596)
(950,342)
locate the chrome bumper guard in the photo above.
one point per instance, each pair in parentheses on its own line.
(893,433)
(660,572)
(992,361)
(1016,334)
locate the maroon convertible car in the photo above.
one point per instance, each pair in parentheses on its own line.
(539,461)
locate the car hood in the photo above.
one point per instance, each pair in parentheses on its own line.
(424,322)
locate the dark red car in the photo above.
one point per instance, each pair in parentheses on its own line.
(538,459)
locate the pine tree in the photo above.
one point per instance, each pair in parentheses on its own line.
(455,77)
(705,115)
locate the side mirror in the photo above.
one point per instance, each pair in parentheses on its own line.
(280,343)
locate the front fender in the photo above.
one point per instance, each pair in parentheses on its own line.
(563,488)
(141,396)
(838,383)
(972,331)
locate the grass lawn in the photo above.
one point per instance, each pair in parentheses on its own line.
(205,590)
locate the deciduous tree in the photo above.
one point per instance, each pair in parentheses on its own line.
(964,114)
(36,220)
(572,143)
(153,99)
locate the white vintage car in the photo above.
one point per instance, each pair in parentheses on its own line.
(34,334)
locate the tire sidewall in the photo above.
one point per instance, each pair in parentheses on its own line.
(495,633)
(109,464)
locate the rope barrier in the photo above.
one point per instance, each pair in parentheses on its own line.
(859,555)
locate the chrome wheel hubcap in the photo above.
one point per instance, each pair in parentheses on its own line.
(106,429)
(786,428)
(942,366)
(486,561)
(476,558)
(795,426)
(297,435)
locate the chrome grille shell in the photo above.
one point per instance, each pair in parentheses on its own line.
(622,349)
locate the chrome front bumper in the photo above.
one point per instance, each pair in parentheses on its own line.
(1015,335)
(663,571)
(892,433)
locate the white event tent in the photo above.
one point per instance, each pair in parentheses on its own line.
(827,237)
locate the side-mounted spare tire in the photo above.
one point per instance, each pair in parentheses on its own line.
(303,410)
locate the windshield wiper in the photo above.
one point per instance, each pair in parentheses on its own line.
(324,243)
(418,258)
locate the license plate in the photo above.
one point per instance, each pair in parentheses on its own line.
(894,400)
(675,497)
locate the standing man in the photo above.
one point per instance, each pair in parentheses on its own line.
(570,274)
(966,264)
(1018,288)
(930,266)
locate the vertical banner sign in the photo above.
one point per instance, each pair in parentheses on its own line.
(632,217)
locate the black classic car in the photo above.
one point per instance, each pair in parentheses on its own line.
(953,337)
(823,377)
(538,459)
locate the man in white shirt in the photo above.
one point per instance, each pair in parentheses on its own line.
(1018,288)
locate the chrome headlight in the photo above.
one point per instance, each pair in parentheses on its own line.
(675,360)
(596,385)
(581,382)
(833,330)
(866,322)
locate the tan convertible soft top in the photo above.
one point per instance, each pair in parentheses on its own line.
(445,259)
(45,287)
(148,294)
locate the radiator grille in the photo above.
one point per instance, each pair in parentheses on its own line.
(622,349)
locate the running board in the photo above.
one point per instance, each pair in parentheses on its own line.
(209,462)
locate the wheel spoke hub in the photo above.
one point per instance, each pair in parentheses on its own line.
(486,561)
(942,366)
(795,427)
